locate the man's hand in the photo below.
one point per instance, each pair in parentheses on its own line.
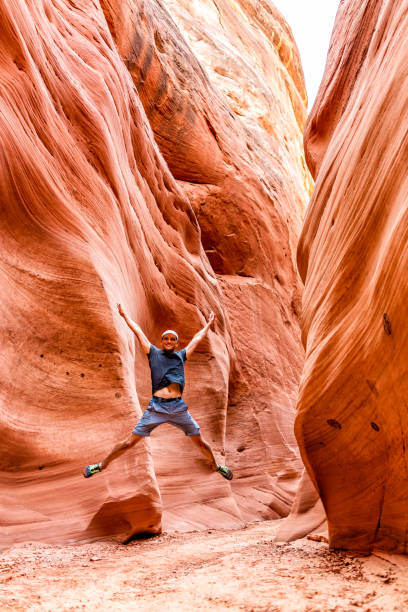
(120,309)
(190,348)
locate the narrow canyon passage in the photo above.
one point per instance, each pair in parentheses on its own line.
(148,171)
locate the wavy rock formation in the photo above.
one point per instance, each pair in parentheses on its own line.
(232,137)
(352,423)
(93,215)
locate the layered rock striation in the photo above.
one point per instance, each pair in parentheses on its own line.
(232,138)
(162,198)
(352,422)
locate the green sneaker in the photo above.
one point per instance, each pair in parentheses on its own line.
(92,469)
(226,472)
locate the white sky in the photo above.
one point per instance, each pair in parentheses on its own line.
(311,23)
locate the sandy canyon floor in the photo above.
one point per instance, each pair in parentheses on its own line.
(214,570)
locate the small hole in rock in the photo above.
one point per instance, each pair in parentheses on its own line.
(375,426)
(334,423)
(387,324)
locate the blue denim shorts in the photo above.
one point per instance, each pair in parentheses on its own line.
(173,411)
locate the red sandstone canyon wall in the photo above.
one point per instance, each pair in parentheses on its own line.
(167,198)
(232,137)
(352,411)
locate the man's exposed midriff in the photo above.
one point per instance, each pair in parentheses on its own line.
(172,390)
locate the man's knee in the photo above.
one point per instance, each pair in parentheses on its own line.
(199,441)
(134,438)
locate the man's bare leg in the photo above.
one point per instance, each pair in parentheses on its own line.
(119,449)
(116,452)
(206,450)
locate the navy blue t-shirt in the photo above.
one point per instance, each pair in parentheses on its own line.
(166,368)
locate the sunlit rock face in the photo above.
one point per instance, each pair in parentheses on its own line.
(174,201)
(353,421)
(223,90)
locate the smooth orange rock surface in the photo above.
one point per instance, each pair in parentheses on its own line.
(92,215)
(232,136)
(352,422)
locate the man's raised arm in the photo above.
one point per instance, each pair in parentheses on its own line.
(144,342)
(190,348)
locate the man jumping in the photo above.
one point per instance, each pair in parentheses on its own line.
(166,406)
